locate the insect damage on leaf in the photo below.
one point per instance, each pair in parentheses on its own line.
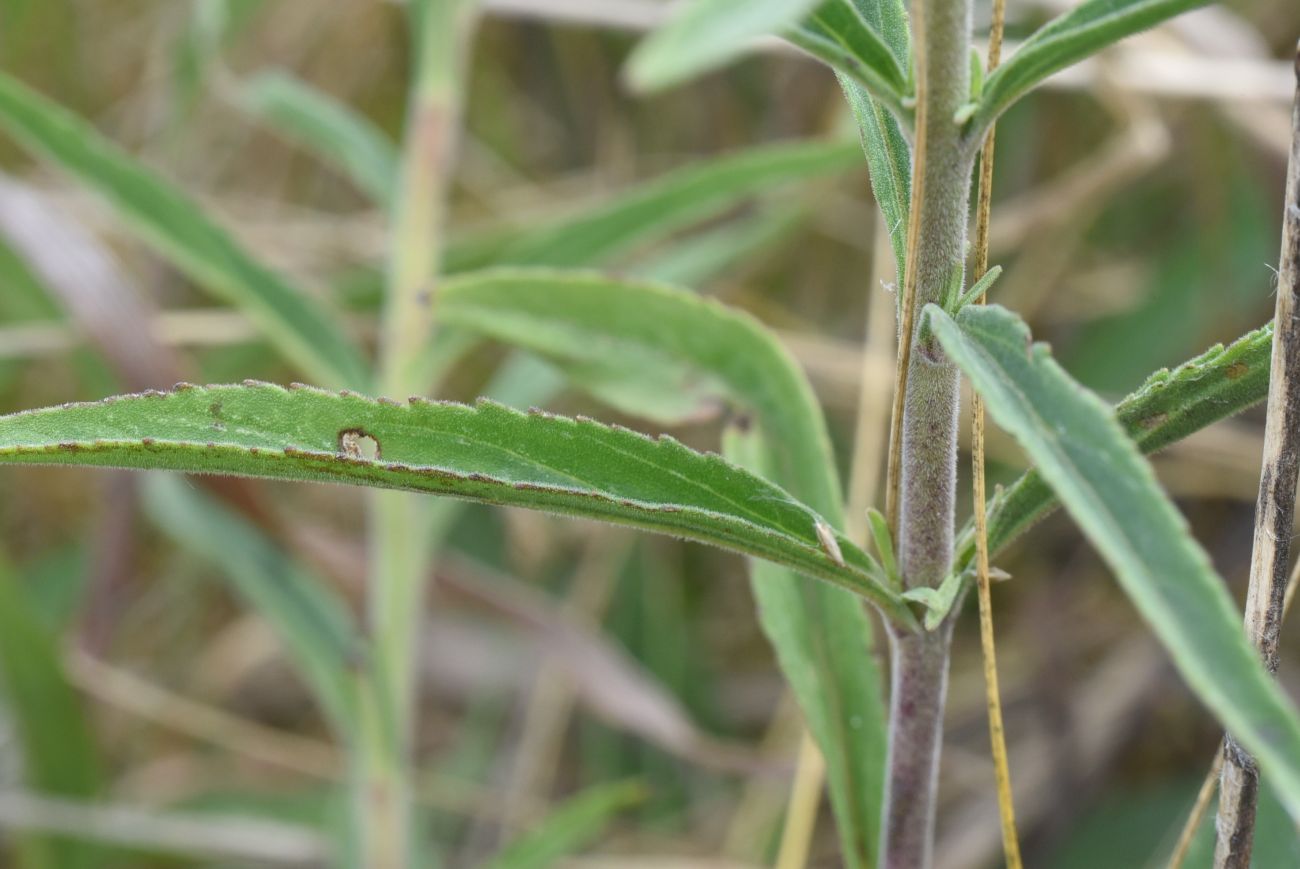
(356,443)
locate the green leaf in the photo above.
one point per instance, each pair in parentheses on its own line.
(704,35)
(822,639)
(487,453)
(889,157)
(1167,408)
(1067,39)
(640,340)
(577,821)
(327,128)
(652,211)
(59,754)
(656,339)
(175,226)
(1081,450)
(312,623)
(843,34)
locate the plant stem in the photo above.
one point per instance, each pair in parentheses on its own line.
(925,440)
(1274,515)
(919,689)
(399,548)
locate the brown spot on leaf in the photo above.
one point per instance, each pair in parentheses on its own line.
(1236,370)
(1154,420)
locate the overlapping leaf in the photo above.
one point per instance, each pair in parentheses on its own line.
(486,453)
(1111,492)
(645,348)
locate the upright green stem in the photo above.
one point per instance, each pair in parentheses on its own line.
(928,462)
(399,551)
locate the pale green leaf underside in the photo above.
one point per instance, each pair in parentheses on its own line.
(176,227)
(327,128)
(1066,40)
(705,34)
(651,211)
(486,453)
(1167,408)
(1079,447)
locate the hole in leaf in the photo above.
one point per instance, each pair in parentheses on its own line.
(357,443)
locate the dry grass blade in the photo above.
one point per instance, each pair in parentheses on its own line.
(997,734)
(245,840)
(1274,517)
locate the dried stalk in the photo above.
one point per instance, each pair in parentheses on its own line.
(1274,518)
(997,734)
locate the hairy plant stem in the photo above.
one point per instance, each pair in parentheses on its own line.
(927,446)
(399,546)
(918,692)
(1274,518)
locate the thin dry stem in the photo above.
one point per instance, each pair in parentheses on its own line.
(805,798)
(1274,517)
(993,698)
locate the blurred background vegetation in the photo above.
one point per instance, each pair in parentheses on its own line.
(1137,212)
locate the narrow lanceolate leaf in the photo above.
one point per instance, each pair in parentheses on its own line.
(631,338)
(841,34)
(1068,39)
(174,224)
(705,34)
(486,453)
(645,348)
(1167,408)
(326,128)
(652,211)
(1082,451)
(822,640)
(889,157)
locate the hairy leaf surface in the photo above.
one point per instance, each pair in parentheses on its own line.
(1081,450)
(1167,408)
(175,226)
(486,453)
